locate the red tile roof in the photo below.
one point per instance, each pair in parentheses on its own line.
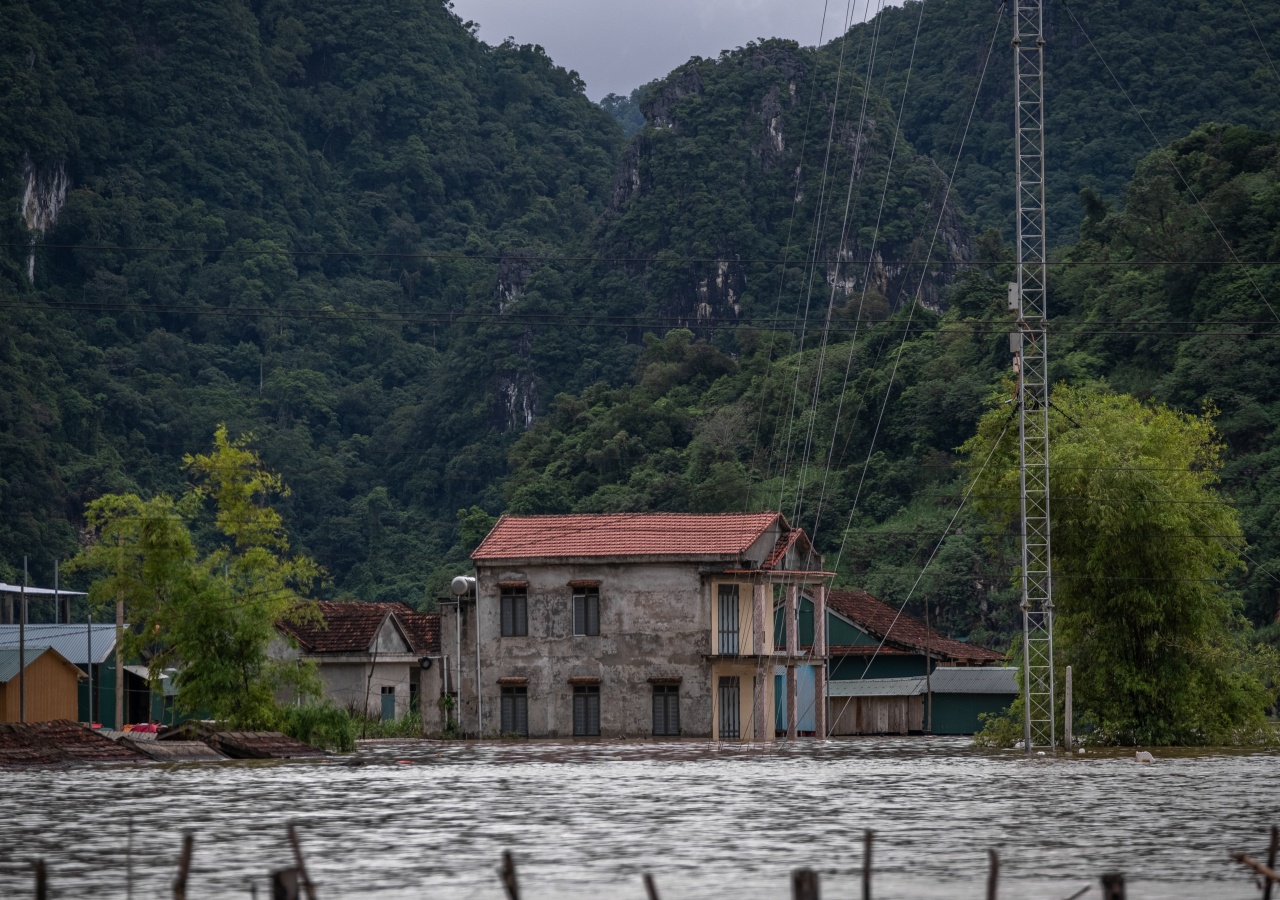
(623,534)
(351,627)
(878,619)
(423,629)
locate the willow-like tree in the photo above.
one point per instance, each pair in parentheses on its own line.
(1143,551)
(210,614)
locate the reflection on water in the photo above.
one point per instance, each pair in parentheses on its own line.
(586,820)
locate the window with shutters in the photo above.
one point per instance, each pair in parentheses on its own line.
(730,726)
(515,611)
(666,710)
(586,710)
(586,611)
(727,618)
(515,711)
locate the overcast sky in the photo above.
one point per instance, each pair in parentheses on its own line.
(618,45)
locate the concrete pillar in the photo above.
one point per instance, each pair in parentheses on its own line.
(764,721)
(758,618)
(820,700)
(793,698)
(820,621)
(793,599)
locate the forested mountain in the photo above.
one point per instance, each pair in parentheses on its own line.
(271,216)
(429,275)
(1122,78)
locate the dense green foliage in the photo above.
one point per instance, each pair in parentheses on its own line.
(276,213)
(436,282)
(211,615)
(1121,80)
(1142,550)
(321,725)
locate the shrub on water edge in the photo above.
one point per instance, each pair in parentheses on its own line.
(407,726)
(321,725)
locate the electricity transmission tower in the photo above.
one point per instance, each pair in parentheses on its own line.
(1031,357)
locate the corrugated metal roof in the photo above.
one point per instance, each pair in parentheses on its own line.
(10,660)
(69,640)
(624,534)
(37,591)
(877,687)
(975,680)
(944,680)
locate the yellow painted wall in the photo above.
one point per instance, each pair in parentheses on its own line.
(746,673)
(51,691)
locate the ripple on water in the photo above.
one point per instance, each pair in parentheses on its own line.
(587,819)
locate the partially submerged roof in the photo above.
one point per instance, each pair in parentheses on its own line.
(943,680)
(883,621)
(351,627)
(31,591)
(625,534)
(72,641)
(11,660)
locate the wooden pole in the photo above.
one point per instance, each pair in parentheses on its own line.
(508,875)
(866,864)
(184,867)
(650,888)
(1068,737)
(300,865)
(1113,886)
(119,722)
(22,646)
(1271,860)
(804,884)
(793,649)
(1270,874)
(42,880)
(928,668)
(993,876)
(820,661)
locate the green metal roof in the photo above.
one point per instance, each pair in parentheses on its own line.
(9,659)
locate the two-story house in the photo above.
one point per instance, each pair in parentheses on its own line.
(632,625)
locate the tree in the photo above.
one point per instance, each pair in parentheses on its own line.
(1143,549)
(211,615)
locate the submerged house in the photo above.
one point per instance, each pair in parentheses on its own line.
(91,648)
(634,625)
(48,680)
(892,674)
(379,659)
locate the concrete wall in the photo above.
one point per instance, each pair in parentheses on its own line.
(655,622)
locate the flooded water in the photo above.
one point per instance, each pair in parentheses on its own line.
(587,820)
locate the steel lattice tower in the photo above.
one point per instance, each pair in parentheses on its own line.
(1032,360)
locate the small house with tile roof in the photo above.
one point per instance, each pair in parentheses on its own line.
(632,625)
(381,659)
(878,657)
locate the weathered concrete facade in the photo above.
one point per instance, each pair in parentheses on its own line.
(659,625)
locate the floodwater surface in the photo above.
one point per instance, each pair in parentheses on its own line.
(422,819)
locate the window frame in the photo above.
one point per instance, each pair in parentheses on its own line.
(728,627)
(513,610)
(585,610)
(666,696)
(586,696)
(513,710)
(729,715)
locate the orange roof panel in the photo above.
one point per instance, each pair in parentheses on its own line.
(623,534)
